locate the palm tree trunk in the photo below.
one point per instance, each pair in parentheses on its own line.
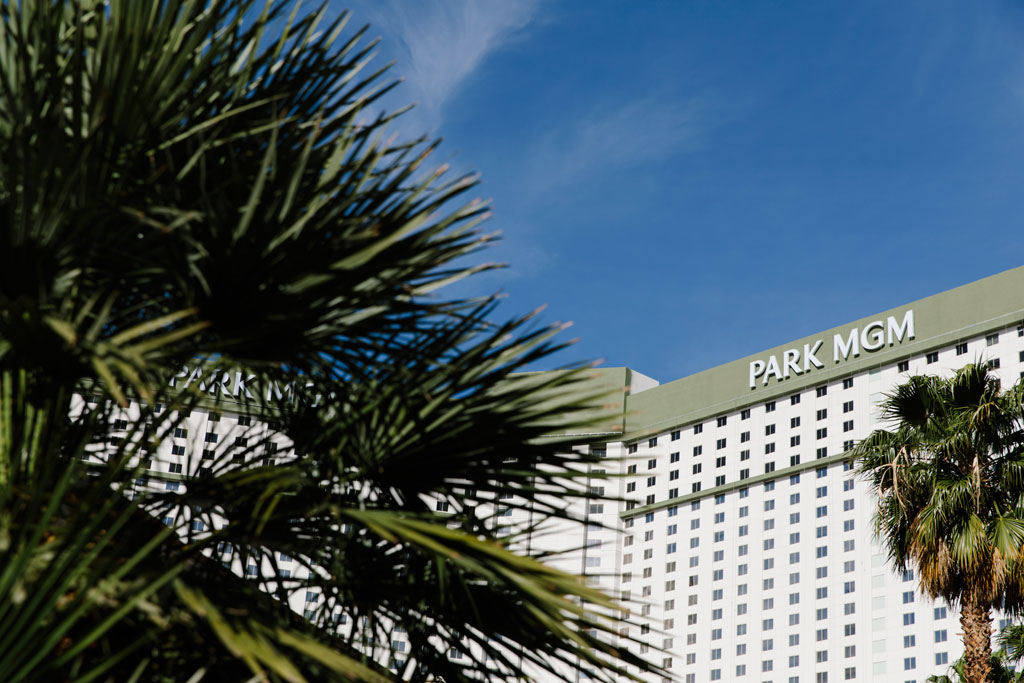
(976,622)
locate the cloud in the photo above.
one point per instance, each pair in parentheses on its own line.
(442,42)
(639,132)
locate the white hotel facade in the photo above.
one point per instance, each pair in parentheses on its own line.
(746,548)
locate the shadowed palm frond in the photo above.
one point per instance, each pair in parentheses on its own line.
(209,184)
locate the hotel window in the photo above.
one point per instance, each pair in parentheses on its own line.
(769,430)
(993,364)
(180,433)
(651,443)
(177,450)
(745,473)
(673,475)
(903,366)
(822,511)
(847,445)
(821,432)
(244,420)
(720,461)
(745,436)
(941,636)
(961,348)
(721,421)
(745,454)
(932,357)
(821,573)
(794,399)
(848,546)
(211,437)
(992,339)
(697,429)
(794,422)
(745,414)
(651,481)
(673,457)
(695,487)
(940,612)
(631,448)
(769,407)
(820,391)
(697,450)
(720,444)
(848,406)
(941,658)
(696,468)
(652,463)
(848,426)
(848,383)
(794,441)
(720,480)
(847,525)
(769,467)
(794,460)
(822,452)
(174,468)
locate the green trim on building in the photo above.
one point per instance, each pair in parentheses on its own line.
(941,320)
(734,485)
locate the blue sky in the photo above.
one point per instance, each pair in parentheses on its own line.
(692,182)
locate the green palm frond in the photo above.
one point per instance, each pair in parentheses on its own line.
(208,184)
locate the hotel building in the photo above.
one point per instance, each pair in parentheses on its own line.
(746,549)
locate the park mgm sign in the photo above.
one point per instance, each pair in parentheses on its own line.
(874,336)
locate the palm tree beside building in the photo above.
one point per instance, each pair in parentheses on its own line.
(948,474)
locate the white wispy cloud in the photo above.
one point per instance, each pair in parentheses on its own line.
(440,43)
(639,132)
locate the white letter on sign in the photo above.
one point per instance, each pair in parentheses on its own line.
(756,368)
(839,345)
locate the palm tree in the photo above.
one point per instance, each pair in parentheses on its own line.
(948,477)
(1000,671)
(206,179)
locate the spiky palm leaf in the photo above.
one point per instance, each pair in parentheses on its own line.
(190,180)
(948,480)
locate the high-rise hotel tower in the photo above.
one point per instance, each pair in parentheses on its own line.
(748,547)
